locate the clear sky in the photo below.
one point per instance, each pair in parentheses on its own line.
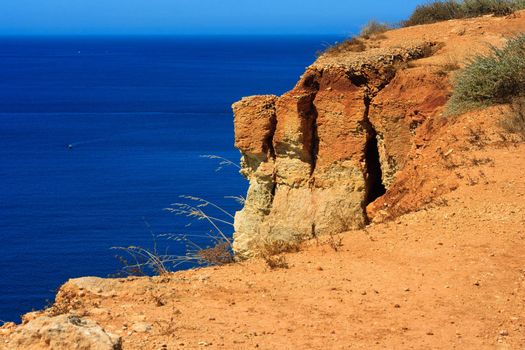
(195,16)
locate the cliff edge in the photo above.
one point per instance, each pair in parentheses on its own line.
(334,153)
(433,207)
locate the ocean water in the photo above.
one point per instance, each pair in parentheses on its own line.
(139,113)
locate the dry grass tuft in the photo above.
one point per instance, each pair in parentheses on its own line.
(220,254)
(335,241)
(349,45)
(276,262)
(515,122)
(272,251)
(373,29)
(208,249)
(451,64)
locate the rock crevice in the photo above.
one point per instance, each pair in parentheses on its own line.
(315,155)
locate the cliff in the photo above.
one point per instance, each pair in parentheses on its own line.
(333,153)
(360,140)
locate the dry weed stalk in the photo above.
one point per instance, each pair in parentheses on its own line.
(335,241)
(143,261)
(272,250)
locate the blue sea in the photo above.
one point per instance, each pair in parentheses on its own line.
(138,113)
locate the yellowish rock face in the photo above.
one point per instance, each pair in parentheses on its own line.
(307,153)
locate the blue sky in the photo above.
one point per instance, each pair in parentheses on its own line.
(195,16)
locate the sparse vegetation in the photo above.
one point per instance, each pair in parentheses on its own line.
(432,12)
(374,28)
(349,45)
(140,261)
(276,262)
(476,137)
(515,122)
(496,77)
(168,328)
(437,11)
(335,241)
(450,65)
(272,250)
(212,248)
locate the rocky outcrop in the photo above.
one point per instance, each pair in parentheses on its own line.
(319,154)
(63,332)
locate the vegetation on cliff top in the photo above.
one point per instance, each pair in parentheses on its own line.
(437,11)
(372,30)
(432,12)
(493,78)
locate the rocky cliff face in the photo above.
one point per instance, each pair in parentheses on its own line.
(319,154)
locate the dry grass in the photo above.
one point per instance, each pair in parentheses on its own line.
(515,122)
(168,328)
(272,251)
(220,254)
(276,262)
(335,241)
(216,250)
(373,29)
(349,45)
(451,64)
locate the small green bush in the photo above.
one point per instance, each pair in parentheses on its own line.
(437,11)
(497,77)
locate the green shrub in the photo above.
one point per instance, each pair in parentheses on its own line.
(437,11)
(489,79)
(432,12)
(475,8)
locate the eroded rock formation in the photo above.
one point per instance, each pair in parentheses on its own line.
(62,332)
(319,154)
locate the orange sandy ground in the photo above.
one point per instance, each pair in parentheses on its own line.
(449,276)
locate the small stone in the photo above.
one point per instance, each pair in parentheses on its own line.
(397,306)
(459,31)
(430,333)
(141,327)
(503,333)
